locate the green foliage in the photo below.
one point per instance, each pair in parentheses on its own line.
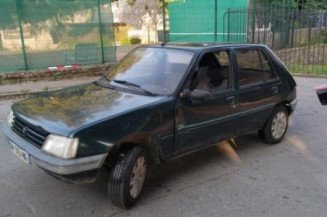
(122,32)
(130,2)
(12,81)
(135,41)
(301,43)
(125,41)
(55,77)
(301,4)
(129,41)
(308,69)
(314,4)
(37,12)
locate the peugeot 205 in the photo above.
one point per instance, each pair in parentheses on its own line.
(159,102)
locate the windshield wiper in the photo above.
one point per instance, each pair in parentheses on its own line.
(103,84)
(106,78)
(130,84)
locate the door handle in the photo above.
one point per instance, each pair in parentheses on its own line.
(231,101)
(274,89)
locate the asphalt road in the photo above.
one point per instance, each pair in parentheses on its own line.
(254,179)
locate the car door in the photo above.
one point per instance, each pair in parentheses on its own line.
(253,104)
(202,122)
(272,85)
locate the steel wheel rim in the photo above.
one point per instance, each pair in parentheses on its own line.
(137,177)
(278,125)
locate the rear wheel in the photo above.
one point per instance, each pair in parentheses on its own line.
(275,128)
(127,178)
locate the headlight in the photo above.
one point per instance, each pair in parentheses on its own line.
(10,118)
(60,146)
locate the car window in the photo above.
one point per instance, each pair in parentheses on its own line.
(223,58)
(214,72)
(158,70)
(269,70)
(250,70)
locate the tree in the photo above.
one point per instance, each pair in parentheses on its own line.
(41,11)
(146,14)
(301,4)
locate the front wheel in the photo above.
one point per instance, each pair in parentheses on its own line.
(127,178)
(275,128)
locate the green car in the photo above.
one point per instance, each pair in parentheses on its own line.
(159,102)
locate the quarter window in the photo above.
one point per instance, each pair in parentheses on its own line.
(269,71)
(249,67)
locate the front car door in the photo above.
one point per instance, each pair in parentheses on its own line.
(202,122)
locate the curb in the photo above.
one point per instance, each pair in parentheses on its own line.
(21,95)
(309,76)
(54,74)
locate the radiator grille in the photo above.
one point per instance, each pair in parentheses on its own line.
(33,136)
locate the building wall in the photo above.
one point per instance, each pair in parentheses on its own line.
(11,40)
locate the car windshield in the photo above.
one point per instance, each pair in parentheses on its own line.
(156,70)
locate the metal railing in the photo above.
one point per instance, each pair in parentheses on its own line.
(297,32)
(38,34)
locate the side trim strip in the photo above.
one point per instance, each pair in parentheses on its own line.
(224,118)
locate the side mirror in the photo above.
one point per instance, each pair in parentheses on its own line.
(200,94)
(185,94)
(195,94)
(322,94)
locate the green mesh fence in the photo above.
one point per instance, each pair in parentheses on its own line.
(207,21)
(39,34)
(295,30)
(297,33)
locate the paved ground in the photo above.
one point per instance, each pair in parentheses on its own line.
(289,179)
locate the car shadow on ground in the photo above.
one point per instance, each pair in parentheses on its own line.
(161,178)
(164,179)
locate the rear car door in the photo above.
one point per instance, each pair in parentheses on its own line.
(272,85)
(253,104)
(202,122)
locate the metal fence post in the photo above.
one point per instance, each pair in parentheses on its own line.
(18,7)
(164,21)
(100,30)
(228,27)
(293,28)
(253,18)
(216,19)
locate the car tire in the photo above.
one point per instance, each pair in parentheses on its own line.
(127,178)
(276,126)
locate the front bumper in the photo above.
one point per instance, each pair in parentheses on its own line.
(60,168)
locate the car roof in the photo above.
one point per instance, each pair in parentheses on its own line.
(204,46)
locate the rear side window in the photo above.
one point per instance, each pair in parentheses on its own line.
(269,70)
(249,67)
